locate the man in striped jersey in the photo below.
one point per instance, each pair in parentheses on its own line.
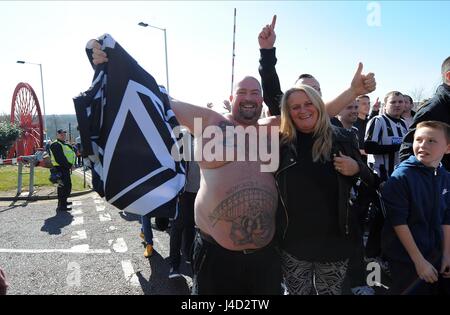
(384,136)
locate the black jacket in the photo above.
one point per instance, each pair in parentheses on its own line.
(343,141)
(438,108)
(269,80)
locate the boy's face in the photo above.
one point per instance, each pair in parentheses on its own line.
(430,145)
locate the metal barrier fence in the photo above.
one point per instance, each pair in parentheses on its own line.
(20,161)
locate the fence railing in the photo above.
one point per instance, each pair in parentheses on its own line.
(39,158)
(32,160)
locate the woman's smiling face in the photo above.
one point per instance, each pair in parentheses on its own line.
(302,111)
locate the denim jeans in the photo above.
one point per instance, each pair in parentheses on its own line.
(147,229)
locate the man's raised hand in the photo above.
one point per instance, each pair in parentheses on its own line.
(376,105)
(267,36)
(363,83)
(98,55)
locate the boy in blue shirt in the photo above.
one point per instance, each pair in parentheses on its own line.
(416,235)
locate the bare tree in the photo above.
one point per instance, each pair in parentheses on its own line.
(417,95)
(4,117)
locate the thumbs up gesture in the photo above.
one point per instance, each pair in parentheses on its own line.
(363,83)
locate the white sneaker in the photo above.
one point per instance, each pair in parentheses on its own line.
(363,290)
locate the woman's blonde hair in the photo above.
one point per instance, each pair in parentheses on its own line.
(322,134)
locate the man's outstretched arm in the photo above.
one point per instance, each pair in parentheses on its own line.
(188,115)
(361,84)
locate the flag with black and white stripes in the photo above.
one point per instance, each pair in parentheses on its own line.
(127,131)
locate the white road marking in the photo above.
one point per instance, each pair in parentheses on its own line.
(77,221)
(104,217)
(79,249)
(129,273)
(76,212)
(79,235)
(119,246)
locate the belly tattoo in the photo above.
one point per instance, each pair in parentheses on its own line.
(251,212)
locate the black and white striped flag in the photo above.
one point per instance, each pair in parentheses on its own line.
(126,129)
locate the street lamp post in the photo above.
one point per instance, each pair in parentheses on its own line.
(165,46)
(42,87)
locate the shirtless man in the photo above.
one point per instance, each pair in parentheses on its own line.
(235,208)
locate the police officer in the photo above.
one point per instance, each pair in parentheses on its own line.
(63,158)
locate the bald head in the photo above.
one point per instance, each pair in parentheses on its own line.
(247,101)
(245,80)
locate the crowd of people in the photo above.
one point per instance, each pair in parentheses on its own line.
(341,195)
(355,184)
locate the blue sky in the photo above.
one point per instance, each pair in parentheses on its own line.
(326,39)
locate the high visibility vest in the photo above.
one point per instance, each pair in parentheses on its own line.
(68,153)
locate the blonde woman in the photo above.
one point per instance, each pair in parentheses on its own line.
(319,164)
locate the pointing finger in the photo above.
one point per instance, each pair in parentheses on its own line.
(274,21)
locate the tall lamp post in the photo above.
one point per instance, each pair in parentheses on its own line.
(42,87)
(165,46)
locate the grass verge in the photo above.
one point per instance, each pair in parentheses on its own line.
(8,178)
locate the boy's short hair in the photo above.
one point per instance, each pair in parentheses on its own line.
(439,125)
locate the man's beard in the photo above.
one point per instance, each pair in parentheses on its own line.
(249,113)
